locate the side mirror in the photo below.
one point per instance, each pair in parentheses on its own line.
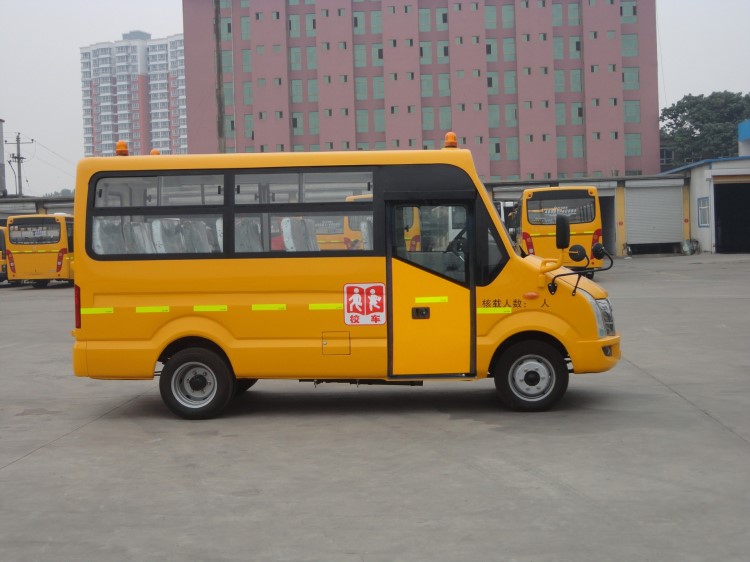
(598,251)
(577,253)
(562,232)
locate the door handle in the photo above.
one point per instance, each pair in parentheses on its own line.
(420,313)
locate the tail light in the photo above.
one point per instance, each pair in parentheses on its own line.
(11,261)
(528,242)
(78,306)
(595,239)
(61,259)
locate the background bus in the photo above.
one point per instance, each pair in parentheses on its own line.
(532,222)
(3,261)
(40,249)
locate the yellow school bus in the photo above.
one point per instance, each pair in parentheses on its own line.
(181,275)
(39,249)
(532,222)
(3,260)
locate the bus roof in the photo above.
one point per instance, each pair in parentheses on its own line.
(453,156)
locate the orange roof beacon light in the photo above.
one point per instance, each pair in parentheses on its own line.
(155,152)
(450,140)
(121,148)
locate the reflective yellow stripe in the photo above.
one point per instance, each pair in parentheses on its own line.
(495,310)
(34,251)
(269,307)
(426,300)
(326,306)
(210,308)
(148,309)
(103,310)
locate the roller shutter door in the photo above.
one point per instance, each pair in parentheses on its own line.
(653,215)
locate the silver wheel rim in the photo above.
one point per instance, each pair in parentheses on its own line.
(532,378)
(194,385)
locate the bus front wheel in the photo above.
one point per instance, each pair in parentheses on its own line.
(531,376)
(196,383)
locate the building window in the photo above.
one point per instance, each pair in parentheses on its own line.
(444,85)
(445,118)
(441,19)
(628,11)
(559,81)
(425,52)
(632,144)
(360,56)
(493,116)
(562,147)
(574,14)
(632,111)
(490,17)
(495,148)
(442,52)
(574,43)
(576,83)
(577,146)
(424,20)
(312,58)
(428,119)
(511,115)
(629,43)
(509,81)
(363,121)
(509,49)
(508,16)
(491,50)
(576,113)
(294,28)
(704,217)
(631,78)
(511,148)
(426,80)
(560,114)
(493,83)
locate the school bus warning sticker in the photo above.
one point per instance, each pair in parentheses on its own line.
(364,303)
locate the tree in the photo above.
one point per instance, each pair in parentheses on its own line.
(700,127)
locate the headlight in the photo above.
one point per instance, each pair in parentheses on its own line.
(609,318)
(605,320)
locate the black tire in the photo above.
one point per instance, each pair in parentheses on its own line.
(590,275)
(196,384)
(531,376)
(242,385)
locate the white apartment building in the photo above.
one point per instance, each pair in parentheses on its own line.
(134,90)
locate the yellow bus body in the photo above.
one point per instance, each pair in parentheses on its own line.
(39,248)
(273,314)
(536,227)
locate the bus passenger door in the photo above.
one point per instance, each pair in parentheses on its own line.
(431,286)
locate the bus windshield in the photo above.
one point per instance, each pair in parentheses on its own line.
(34,230)
(543,208)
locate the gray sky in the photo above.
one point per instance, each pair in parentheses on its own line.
(702,48)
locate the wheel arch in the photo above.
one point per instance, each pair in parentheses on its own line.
(194,341)
(522,337)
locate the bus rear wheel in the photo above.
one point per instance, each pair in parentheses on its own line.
(531,376)
(196,384)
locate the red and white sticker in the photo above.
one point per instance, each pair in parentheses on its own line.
(364,303)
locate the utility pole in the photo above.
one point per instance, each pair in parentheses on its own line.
(18,159)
